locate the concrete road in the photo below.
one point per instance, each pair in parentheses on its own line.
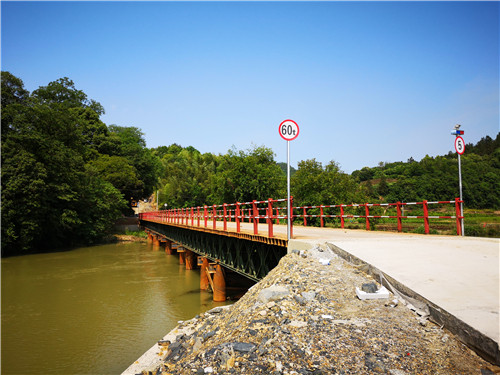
(459,274)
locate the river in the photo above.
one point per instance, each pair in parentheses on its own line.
(92,310)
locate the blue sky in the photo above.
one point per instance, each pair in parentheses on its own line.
(365,81)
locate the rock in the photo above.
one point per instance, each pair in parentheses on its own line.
(297,324)
(373,364)
(270,305)
(215,310)
(300,300)
(207,335)
(397,372)
(279,366)
(392,303)
(197,344)
(321,330)
(273,293)
(230,363)
(242,347)
(309,296)
(369,288)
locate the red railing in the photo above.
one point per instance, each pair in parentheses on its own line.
(272,210)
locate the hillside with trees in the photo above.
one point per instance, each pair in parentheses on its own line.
(66,176)
(194,179)
(436,178)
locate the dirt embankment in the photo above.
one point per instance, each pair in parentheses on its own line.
(305,318)
(129,238)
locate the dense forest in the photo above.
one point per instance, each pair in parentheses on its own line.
(436,178)
(192,179)
(67,176)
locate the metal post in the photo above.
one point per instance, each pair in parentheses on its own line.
(238,218)
(426,216)
(288,189)
(459,149)
(225,216)
(461,199)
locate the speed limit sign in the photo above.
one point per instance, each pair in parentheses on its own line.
(289,130)
(459,145)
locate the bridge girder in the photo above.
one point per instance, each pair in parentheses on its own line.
(248,255)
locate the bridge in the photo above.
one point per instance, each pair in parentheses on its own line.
(454,278)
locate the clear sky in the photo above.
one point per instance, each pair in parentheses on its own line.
(365,81)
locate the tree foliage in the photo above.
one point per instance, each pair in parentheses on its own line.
(243,176)
(314,184)
(59,187)
(193,179)
(436,178)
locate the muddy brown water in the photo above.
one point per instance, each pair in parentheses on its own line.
(92,310)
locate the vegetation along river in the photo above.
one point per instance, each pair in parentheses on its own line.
(92,310)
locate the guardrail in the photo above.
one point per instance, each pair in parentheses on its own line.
(273,210)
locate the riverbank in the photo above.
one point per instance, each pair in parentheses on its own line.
(129,238)
(305,318)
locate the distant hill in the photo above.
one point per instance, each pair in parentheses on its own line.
(436,178)
(283,168)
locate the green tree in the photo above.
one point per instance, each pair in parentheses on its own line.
(94,133)
(314,184)
(436,178)
(247,175)
(64,92)
(383,187)
(365,174)
(13,91)
(47,198)
(187,177)
(118,172)
(129,143)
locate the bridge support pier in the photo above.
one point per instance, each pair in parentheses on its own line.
(190,260)
(156,241)
(182,254)
(219,284)
(203,263)
(150,237)
(168,247)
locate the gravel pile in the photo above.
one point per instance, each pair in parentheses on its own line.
(305,318)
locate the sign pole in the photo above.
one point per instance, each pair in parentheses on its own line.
(461,200)
(288,209)
(289,130)
(460,148)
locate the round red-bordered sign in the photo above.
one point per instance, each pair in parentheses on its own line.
(289,130)
(459,145)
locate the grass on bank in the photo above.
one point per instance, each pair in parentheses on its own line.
(130,235)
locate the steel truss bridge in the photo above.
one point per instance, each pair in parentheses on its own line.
(248,254)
